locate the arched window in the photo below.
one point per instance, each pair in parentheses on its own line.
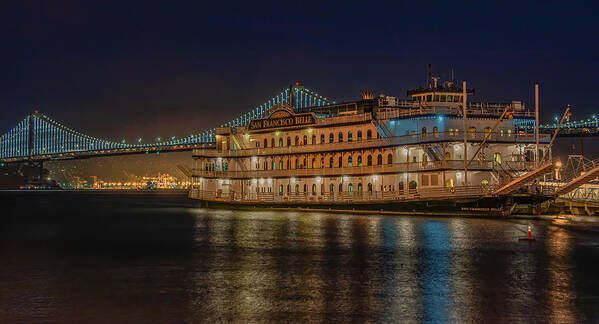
(379,159)
(412,185)
(341,187)
(350,136)
(423,131)
(274,165)
(272,142)
(305,142)
(288,141)
(341,161)
(359,135)
(305,187)
(369,134)
(265,165)
(350,188)
(332,188)
(331,162)
(280,142)
(359,188)
(447,156)
(305,164)
(281,165)
(296,188)
(296,163)
(313,163)
(370,187)
(349,161)
(322,188)
(288,164)
(313,189)
(296,140)
(497,158)
(313,139)
(369,160)
(321,138)
(390,158)
(288,189)
(331,138)
(265,142)
(340,137)
(436,132)
(359,160)
(280,190)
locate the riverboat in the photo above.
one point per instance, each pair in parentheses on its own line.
(436,152)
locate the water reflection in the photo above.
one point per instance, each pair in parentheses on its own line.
(560,296)
(436,259)
(174,264)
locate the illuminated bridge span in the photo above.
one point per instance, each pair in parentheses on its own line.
(574,128)
(39,137)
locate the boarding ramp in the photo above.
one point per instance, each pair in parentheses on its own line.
(578,181)
(517,183)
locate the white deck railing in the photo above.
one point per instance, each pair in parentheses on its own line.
(363,170)
(372,143)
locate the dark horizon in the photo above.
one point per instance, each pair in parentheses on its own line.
(115,70)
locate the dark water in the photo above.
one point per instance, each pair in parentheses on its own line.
(157,259)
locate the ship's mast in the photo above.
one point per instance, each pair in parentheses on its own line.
(536,125)
(465,124)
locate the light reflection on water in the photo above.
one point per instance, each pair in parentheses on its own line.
(173,264)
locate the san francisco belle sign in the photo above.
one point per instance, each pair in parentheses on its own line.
(282,118)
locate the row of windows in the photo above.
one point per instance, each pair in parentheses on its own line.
(427,180)
(299,164)
(350,188)
(350,162)
(304,140)
(437,98)
(340,137)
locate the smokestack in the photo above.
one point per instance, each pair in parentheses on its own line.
(429,76)
(368,95)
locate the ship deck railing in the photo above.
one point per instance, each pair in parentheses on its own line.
(477,109)
(433,193)
(457,165)
(428,138)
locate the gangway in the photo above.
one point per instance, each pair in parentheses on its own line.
(578,181)
(522,180)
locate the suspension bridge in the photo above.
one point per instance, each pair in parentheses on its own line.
(574,128)
(39,138)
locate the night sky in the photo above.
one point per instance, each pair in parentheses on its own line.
(118,70)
